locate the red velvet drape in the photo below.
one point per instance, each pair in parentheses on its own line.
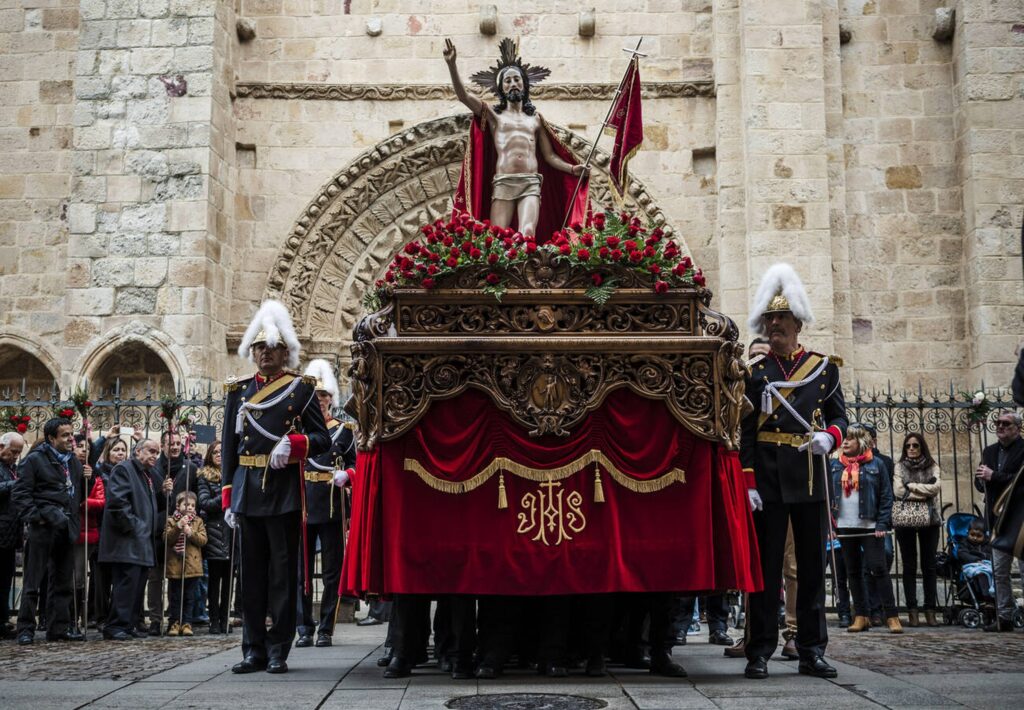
(408,537)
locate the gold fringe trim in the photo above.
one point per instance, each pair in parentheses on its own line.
(502,464)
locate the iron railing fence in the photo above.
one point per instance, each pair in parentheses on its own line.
(954,425)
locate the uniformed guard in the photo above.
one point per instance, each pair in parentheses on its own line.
(798,419)
(272,422)
(326,477)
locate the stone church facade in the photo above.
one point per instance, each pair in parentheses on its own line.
(167,164)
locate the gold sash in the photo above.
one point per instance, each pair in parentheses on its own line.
(280,383)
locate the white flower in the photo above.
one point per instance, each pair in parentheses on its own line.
(978,398)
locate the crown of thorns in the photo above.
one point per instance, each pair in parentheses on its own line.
(508,57)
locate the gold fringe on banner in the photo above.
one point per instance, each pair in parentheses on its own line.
(502,498)
(598,487)
(502,464)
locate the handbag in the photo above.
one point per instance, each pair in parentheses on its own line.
(911,513)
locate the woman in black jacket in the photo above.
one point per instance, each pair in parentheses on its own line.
(218,539)
(862,508)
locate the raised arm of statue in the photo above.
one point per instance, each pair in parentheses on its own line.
(551,158)
(472,103)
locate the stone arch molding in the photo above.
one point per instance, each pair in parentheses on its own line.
(101,347)
(346,236)
(26,342)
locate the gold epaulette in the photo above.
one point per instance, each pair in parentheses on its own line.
(233,383)
(754,360)
(309,380)
(835,360)
(351,426)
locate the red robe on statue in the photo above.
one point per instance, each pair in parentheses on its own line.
(473,194)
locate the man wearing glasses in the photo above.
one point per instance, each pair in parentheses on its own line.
(999,463)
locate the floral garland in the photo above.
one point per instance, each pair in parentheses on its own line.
(17,419)
(611,238)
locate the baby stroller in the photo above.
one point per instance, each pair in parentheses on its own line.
(968,602)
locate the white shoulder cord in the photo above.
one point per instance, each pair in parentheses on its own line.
(772,390)
(244,410)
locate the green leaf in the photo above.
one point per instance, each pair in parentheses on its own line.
(601,294)
(371,300)
(498,290)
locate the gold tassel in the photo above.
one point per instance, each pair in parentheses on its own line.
(598,488)
(502,498)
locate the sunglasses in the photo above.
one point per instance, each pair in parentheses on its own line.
(1005,424)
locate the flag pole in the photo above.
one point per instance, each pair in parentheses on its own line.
(634,53)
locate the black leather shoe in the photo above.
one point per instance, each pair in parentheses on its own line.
(999,624)
(69,635)
(462,670)
(642,663)
(487,672)
(369,621)
(323,640)
(135,634)
(554,670)
(385,659)
(444,665)
(276,665)
(596,667)
(817,668)
(305,641)
(845,620)
(720,638)
(681,639)
(756,669)
(117,635)
(154,629)
(667,668)
(249,665)
(398,668)
(26,638)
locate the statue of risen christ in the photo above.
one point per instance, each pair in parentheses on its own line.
(518,131)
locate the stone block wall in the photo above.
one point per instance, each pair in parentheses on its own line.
(38,40)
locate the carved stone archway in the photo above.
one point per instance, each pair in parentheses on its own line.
(346,236)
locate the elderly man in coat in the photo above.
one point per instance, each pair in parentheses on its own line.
(129,522)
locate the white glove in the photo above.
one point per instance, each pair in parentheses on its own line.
(281,453)
(341,478)
(229,518)
(755,499)
(821,444)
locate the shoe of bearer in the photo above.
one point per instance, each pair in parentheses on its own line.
(798,419)
(272,423)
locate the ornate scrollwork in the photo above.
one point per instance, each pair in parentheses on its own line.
(427,92)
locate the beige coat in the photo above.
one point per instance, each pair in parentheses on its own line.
(193,549)
(903,480)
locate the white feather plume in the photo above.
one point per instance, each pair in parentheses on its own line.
(322,371)
(780,278)
(273,319)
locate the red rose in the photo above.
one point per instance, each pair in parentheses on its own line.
(496,230)
(427,229)
(657,234)
(686,261)
(452,262)
(603,252)
(512,253)
(432,269)
(679,270)
(507,241)
(654,268)
(492,258)
(488,241)
(633,230)
(661,287)
(630,245)
(531,247)
(597,279)
(698,278)
(432,239)
(577,227)
(599,220)
(493,279)
(87,404)
(447,241)
(649,252)
(407,275)
(587,239)
(459,231)
(583,255)
(427,283)
(624,217)
(421,267)
(389,276)
(434,256)
(22,428)
(379,283)
(565,249)
(616,254)
(478,228)
(454,252)
(613,241)
(26,418)
(636,257)
(475,253)
(412,248)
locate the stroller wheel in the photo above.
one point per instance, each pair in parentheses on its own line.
(1018,618)
(970,618)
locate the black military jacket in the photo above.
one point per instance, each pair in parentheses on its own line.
(323,498)
(262,490)
(780,470)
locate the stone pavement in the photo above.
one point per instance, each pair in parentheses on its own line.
(924,668)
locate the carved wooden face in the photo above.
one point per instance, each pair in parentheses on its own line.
(511,80)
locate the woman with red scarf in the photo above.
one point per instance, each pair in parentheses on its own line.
(862,508)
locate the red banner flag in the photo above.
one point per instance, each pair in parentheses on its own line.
(628,123)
